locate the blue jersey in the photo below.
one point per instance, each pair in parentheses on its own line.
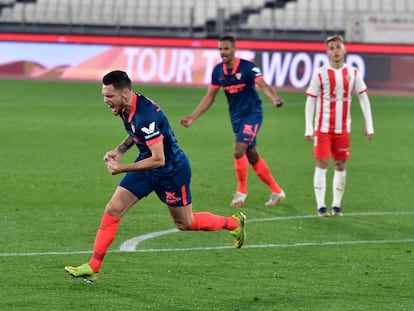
(240,88)
(148,124)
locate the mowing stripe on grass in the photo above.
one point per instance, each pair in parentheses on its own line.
(131,244)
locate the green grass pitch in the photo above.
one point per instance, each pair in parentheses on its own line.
(54,186)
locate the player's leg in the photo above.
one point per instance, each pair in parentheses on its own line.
(174,190)
(120,202)
(241,166)
(185,219)
(244,133)
(134,185)
(322,150)
(340,153)
(262,170)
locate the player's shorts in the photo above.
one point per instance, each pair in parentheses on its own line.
(172,188)
(246,129)
(335,145)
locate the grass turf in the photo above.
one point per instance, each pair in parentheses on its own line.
(54,187)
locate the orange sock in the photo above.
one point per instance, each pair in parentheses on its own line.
(242,168)
(211,222)
(104,237)
(263,172)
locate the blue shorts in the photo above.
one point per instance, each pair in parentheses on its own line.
(172,188)
(246,129)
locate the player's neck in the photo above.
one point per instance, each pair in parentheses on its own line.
(231,64)
(128,103)
(337,65)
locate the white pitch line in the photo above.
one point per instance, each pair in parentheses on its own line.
(347,215)
(304,244)
(131,244)
(205,248)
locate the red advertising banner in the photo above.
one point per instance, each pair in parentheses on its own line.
(190,61)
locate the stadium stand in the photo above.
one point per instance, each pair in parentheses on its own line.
(190,18)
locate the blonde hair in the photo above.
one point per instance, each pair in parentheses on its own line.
(334,38)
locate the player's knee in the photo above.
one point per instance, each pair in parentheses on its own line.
(237,154)
(113,210)
(339,165)
(182,226)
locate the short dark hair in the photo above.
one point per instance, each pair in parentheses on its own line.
(119,79)
(229,38)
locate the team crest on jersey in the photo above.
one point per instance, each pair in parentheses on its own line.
(133,128)
(238,75)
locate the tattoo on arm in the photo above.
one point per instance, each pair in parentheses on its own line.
(125,145)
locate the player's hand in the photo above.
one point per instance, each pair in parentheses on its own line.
(368,136)
(278,102)
(310,137)
(112,155)
(186,121)
(113,167)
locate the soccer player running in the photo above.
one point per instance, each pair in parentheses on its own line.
(239,78)
(328,105)
(161,166)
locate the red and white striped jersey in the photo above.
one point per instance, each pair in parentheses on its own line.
(333,90)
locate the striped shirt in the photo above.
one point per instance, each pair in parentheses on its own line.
(333,90)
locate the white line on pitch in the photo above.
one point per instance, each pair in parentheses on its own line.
(204,248)
(131,244)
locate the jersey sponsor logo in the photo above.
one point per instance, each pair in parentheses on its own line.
(170,198)
(235,88)
(248,129)
(150,130)
(257,71)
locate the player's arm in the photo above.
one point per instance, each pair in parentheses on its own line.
(361,89)
(157,159)
(269,92)
(204,105)
(117,153)
(309,114)
(366,111)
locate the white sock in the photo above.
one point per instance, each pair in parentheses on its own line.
(338,186)
(319,186)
